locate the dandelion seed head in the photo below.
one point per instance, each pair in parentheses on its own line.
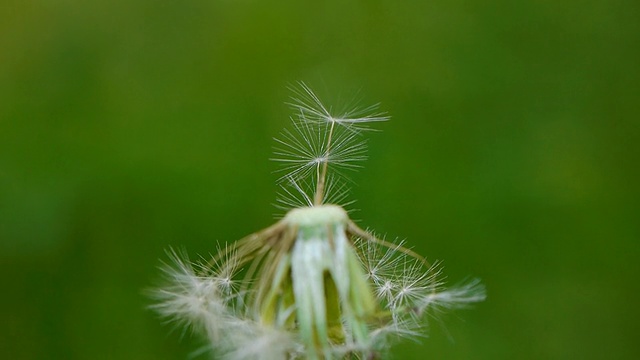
(313,285)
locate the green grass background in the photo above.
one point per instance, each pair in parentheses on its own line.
(512,155)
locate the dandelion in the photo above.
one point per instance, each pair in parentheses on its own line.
(314,285)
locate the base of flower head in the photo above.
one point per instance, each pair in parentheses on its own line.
(317,216)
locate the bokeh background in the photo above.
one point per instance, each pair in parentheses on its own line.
(130,126)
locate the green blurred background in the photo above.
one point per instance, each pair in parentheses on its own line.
(127,127)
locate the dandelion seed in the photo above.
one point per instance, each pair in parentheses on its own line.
(313,285)
(311,110)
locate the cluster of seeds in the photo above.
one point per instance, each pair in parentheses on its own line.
(314,285)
